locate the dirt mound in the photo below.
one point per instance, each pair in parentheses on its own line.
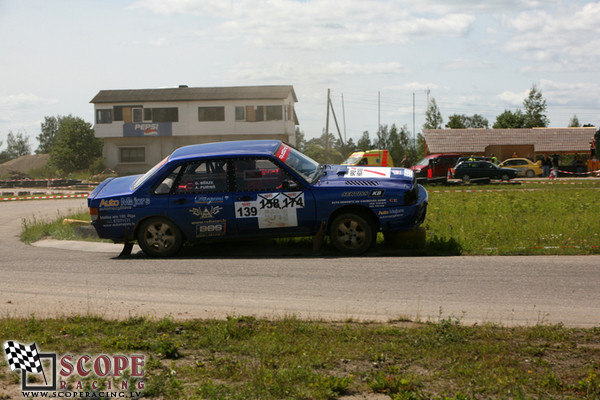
(23,164)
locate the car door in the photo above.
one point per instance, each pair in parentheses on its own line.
(269,201)
(200,201)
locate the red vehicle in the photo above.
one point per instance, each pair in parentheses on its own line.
(435,166)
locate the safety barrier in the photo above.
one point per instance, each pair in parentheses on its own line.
(66,196)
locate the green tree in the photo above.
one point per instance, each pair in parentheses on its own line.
(300,140)
(16,146)
(74,147)
(456,121)
(433,116)
(400,145)
(463,121)
(574,122)
(49,128)
(325,149)
(535,109)
(510,120)
(364,143)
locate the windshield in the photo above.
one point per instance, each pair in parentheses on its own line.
(148,174)
(303,165)
(424,161)
(351,160)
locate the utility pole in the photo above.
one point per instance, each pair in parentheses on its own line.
(414,133)
(378,119)
(344,116)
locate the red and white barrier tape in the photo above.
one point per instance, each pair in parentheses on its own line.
(67,196)
(578,173)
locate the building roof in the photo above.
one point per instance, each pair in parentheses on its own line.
(544,140)
(184,93)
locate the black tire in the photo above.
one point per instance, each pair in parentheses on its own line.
(352,234)
(466,178)
(159,237)
(530,173)
(505,177)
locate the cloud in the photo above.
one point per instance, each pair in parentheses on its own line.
(316,72)
(160,42)
(561,39)
(23,100)
(313,24)
(513,98)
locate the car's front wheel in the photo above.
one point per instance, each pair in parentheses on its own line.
(466,178)
(352,234)
(159,237)
(530,173)
(505,177)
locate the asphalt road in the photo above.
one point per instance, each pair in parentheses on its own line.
(67,278)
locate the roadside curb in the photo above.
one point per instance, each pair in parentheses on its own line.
(80,245)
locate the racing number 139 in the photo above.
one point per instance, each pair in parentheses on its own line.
(247,211)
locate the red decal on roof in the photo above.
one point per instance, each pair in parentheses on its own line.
(375,172)
(283,152)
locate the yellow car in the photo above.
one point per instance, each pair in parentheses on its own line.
(525,166)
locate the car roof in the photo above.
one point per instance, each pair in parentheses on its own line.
(233,148)
(443,155)
(517,158)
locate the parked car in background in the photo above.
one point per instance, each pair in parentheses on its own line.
(524,166)
(476,158)
(257,188)
(435,165)
(469,170)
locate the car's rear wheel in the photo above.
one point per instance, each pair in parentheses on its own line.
(466,178)
(352,234)
(530,173)
(159,237)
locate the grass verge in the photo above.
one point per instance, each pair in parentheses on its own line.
(557,219)
(244,357)
(34,229)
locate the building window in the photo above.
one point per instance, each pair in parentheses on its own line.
(273,113)
(240,113)
(124,113)
(211,114)
(170,114)
(137,115)
(104,116)
(147,114)
(133,154)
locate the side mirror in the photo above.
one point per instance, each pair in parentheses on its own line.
(290,185)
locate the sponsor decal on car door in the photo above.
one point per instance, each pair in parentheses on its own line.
(200,203)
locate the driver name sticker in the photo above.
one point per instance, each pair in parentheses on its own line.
(273,210)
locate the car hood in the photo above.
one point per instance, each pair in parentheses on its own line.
(114,187)
(345,175)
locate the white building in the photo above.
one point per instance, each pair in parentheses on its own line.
(142,126)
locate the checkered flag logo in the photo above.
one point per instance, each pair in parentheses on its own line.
(23,357)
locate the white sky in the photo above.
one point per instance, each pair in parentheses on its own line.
(474,58)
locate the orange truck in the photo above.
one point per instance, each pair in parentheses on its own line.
(378,158)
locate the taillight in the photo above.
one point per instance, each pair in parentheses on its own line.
(94,213)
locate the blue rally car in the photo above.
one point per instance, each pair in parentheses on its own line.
(255,188)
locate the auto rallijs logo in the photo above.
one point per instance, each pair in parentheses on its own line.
(82,376)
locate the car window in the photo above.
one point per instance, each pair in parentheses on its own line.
(259,175)
(206,176)
(167,184)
